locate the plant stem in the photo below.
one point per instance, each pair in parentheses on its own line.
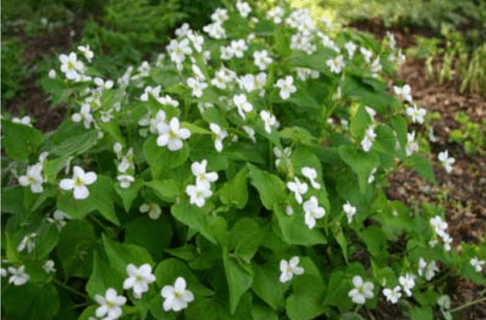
(68,288)
(468,304)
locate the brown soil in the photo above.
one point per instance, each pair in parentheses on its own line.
(463,191)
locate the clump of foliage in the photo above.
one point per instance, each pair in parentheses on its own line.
(470,134)
(240,175)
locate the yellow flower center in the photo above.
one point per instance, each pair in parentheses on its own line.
(138,278)
(110,304)
(71,65)
(172,135)
(78,182)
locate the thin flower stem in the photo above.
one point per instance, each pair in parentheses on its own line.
(68,288)
(468,304)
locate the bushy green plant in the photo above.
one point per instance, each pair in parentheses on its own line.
(13,69)
(239,177)
(470,134)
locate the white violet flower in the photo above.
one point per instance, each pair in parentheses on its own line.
(198,193)
(477,264)
(362,290)
(312,212)
(298,188)
(110,304)
(407,282)
(34,178)
(138,279)
(27,242)
(199,171)
(290,268)
(392,295)
(220,135)
(311,174)
(79,182)
(349,210)
(286,87)
(126,180)
(269,120)
(446,161)
(153,210)
(176,297)
(18,276)
(49,266)
(171,135)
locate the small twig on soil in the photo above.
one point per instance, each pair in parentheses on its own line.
(68,288)
(468,304)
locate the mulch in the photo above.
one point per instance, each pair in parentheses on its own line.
(463,191)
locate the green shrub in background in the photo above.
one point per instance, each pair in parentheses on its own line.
(240,175)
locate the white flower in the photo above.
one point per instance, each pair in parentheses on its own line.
(171,135)
(88,54)
(18,276)
(422,265)
(198,193)
(176,297)
(242,105)
(25,121)
(290,268)
(477,264)
(49,266)
(138,279)
(376,67)
(432,137)
(3,272)
(417,114)
(202,177)
(368,139)
(79,182)
(71,66)
(269,120)
(311,174)
(362,291)
(243,8)
(262,60)
(298,188)
(106,116)
(103,84)
(276,14)
(220,136)
(407,282)
(155,123)
(289,210)
(286,87)
(349,210)
(392,295)
(431,270)
(153,210)
(405,92)
(179,50)
(34,178)
(58,218)
(183,30)
(366,53)
(285,154)
(27,242)
(52,74)
(412,145)
(439,225)
(84,115)
(197,86)
(238,47)
(336,64)
(312,212)
(351,47)
(126,161)
(125,180)
(391,38)
(250,132)
(215,30)
(110,304)
(197,40)
(220,15)
(371,178)
(446,161)
(155,92)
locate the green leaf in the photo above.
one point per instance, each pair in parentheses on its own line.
(269,186)
(20,141)
(362,163)
(351,316)
(88,313)
(235,192)
(337,291)
(167,190)
(214,308)
(245,238)
(12,200)
(11,250)
(156,235)
(308,293)
(170,269)
(385,139)
(30,301)
(424,313)
(120,255)
(360,121)
(157,311)
(422,166)
(356,89)
(267,286)
(375,239)
(316,61)
(194,129)
(75,248)
(47,240)
(101,198)
(76,145)
(128,194)
(295,231)
(103,277)
(161,159)
(282,42)
(338,234)
(194,217)
(240,278)
(261,312)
